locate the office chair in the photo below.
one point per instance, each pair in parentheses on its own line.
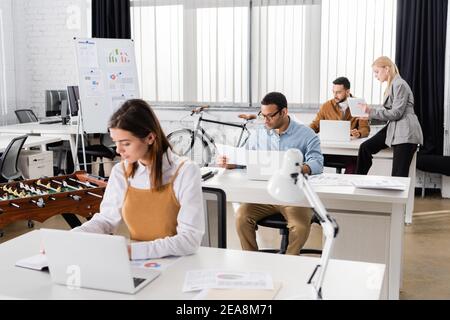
(101,150)
(337,165)
(10,158)
(8,165)
(26,116)
(277,221)
(333,162)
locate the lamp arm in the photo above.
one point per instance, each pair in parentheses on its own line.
(330,230)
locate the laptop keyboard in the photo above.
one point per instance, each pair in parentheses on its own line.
(138,281)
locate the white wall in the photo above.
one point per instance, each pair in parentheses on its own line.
(43,47)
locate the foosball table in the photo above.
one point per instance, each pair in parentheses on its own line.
(39,199)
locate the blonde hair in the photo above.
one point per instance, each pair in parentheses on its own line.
(383,62)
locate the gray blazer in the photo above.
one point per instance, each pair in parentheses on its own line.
(398,109)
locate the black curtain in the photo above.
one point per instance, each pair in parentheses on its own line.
(111,19)
(420,57)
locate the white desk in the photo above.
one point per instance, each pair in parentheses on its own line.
(381,166)
(56,130)
(32,141)
(344,279)
(371,222)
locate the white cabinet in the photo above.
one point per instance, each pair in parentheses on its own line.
(36,164)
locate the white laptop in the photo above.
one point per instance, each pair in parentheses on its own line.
(334,130)
(89,260)
(262,164)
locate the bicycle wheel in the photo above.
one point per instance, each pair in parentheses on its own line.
(199,151)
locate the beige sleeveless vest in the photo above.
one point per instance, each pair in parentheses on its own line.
(148,213)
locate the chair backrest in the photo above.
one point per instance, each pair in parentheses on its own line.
(9,159)
(26,115)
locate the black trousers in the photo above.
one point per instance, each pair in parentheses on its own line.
(403,154)
(336,160)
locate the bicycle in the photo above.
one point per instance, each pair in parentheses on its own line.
(197,144)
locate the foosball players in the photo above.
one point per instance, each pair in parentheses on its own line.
(157,193)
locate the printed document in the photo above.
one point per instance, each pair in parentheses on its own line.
(204,279)
(379,184)
(355,109)
(325,180)
(157,264)
(36,262)
(238,294)
(235,155)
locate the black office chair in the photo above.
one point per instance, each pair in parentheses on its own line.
(8,165)
(337,165)
(101,150)
(277,221)
(330,161)
(10,158)
(26,116)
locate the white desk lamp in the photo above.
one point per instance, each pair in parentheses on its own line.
(289,185)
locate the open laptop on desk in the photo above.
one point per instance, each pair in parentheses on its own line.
(335,130)
(89,260)
(262,164)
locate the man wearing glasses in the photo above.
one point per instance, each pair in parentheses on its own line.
(337,109)
(280,132)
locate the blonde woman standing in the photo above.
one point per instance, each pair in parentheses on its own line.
(402,132)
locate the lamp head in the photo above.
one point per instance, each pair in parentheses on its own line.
(285,183)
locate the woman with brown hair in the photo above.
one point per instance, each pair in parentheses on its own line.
(403,132)
(157,193)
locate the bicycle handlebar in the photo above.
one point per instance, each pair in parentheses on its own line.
(247,116)
(198,110)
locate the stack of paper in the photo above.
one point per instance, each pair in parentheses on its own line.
(238,294)
(386,184)
(216,284)
(202,279)
(36,262)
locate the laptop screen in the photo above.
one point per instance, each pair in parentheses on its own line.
(262,164)
(335,130)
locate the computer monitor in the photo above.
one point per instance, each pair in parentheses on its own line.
(74,96)
(53,102)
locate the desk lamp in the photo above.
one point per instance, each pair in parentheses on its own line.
(289,185)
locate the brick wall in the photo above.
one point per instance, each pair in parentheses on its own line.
(7,65)
(44,49)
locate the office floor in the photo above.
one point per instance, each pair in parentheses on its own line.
(426,257)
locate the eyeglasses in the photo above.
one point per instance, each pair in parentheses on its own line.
(269,117)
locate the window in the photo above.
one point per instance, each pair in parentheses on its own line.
(158,35)
(198,51)
(286,49)
(222,54)
(354,33)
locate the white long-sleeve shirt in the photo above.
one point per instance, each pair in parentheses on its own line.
(188,191)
